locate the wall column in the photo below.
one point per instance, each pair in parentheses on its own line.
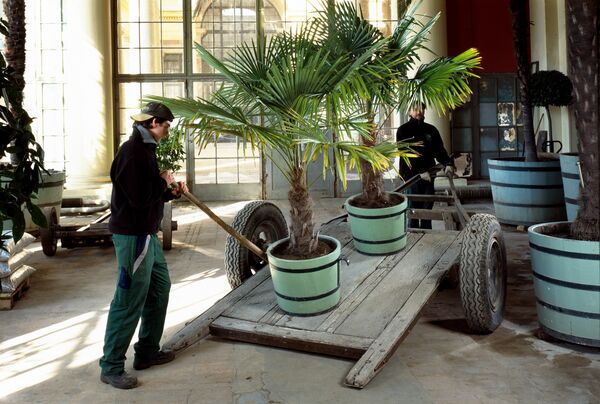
(88,93)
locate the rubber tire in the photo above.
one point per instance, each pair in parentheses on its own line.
(483,250)
(262,223)
(166,226)
(48,234)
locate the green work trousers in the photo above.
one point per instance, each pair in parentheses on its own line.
(142,291)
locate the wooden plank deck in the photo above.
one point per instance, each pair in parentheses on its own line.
(381,298)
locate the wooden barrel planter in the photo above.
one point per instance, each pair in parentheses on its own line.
(567,283)
(570,178)
(49,194)
(527,193)
(379,231)
(306,287)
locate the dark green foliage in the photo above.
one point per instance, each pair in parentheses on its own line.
(170,152)
(20,181)
(550,87)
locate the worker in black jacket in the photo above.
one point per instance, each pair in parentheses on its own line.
(138,196)
(431,149)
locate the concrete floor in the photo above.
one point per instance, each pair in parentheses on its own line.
(51,341)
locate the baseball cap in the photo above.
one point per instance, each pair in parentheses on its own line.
(153,110)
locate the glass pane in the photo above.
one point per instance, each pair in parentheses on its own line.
(151,60)
(227,171)
(227,147)
(54,148)
(50,11)
(129,95)
(210,151)
(52,122)
(149,10)
(487,90)
(129,61)
(205,172)
(127,10)
(172,35)
(173,90)
(506,114)
(462,139)
(173,61)
(172,10)
(150,35)
(508,139)
(462,116)
(488,139)
(519,114)
(128,35)
(249,170)
(149,88)
(506,89)
(52,64)
(487,114)
(125,121)
(52,95)
(51,36)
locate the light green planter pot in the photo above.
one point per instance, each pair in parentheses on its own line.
(567,284)
(570,178)
(306,287)
(527,193)
(378,231)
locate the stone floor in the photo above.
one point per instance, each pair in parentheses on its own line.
(51,341)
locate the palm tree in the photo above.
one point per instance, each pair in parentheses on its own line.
(287,81)
(15,44)
(582,35)
(520,29)
(385,84)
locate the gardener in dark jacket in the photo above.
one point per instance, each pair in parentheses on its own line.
(142,291)
(431,149)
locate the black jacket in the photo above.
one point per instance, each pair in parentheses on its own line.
(432,147)
(138,193)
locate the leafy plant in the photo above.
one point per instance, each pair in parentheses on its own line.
(287,96)
(18,183)
(170,152)
(550,87)
(385,83)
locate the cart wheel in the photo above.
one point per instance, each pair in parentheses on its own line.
(48,234)
(166,227)
(260,222)
(483,273)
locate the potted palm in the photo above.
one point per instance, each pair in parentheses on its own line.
(20,181)
(526,190)
(565,255)
(274,99)
(377,217)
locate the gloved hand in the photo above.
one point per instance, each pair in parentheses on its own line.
(449,171)
(425,176)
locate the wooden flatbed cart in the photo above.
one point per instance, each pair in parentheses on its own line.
(381,296)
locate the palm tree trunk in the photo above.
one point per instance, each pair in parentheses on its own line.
(15,45)
(520,30)
(301,215)
(582,36)
(373,191)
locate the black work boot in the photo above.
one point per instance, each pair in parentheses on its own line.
(160,358)
(122,381)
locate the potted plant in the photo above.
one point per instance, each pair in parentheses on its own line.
(565,255)
(275,99)
(526,190)
(21,181)
(377,217)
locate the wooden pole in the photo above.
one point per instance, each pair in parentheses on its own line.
(245,242)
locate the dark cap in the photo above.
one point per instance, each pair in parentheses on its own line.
(153,110)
